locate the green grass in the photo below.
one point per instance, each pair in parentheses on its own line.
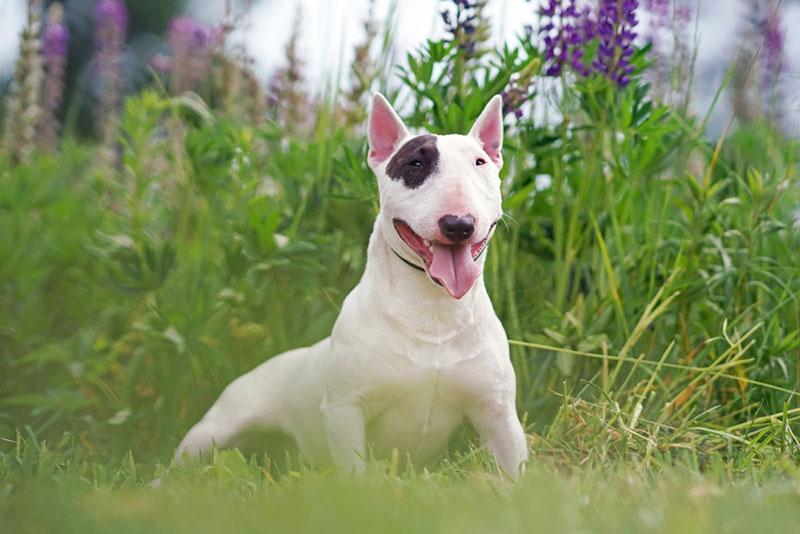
(56,491)
(651,291)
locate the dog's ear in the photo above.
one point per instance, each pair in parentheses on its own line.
(488,129)
(385,130)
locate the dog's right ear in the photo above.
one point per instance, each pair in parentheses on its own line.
(385,130)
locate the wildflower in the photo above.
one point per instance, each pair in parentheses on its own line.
(565,30)
(468,28)
(616,23)
(252,91)
(286,92)
(660,11)
(22,110)
(111,22)
(224,71)
(513,98)
(772,49)
(363,71)
(587,26)
(191,52)
(520,90)
(667,33)
(56,33)
(542,182)
(667,16)
(161,63)
(661,21)
(54,51)
(240,91)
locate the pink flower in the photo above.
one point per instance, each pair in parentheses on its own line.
(161,63)
(192,45)
(54,55)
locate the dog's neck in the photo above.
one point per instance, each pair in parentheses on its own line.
(407,297)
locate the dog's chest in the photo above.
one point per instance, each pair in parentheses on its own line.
(416,413)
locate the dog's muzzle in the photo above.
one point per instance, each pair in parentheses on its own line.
(451,265)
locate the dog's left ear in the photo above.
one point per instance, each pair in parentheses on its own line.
(488,129)
(385,130)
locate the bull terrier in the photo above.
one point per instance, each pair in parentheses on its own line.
(417,347)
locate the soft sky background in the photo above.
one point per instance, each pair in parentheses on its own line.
(332,27)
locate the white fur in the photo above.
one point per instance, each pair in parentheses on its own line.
(405,363)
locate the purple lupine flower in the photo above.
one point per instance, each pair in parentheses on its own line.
(520,89)
(565,30)
(772,49)
(111,23)
(683,14)
(660,22)
(192,46)
(275,87)
(56,33)
(673,16)
(54,55)
(587,25)
(462,20)
(660,12)
(510,104)
(667,32)
(161,63)
(616,24)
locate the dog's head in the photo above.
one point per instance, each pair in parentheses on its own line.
(439,194)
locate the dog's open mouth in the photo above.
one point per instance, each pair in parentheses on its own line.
(451,266)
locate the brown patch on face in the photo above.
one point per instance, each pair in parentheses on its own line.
(415,161)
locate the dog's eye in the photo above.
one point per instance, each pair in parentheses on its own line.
(480,161)
(415,163)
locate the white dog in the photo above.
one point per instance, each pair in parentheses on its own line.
(417,347)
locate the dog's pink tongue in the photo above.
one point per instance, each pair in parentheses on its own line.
(454,267)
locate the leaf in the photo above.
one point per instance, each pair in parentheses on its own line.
(555,336)
(565,363)
(171,334)
(120,417)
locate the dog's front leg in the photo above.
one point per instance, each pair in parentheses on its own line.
(501,432)
(345,424)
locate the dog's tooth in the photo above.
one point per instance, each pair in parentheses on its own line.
(426,243)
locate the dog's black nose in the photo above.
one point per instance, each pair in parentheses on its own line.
(457,229)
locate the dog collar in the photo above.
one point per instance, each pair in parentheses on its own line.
(417,267)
